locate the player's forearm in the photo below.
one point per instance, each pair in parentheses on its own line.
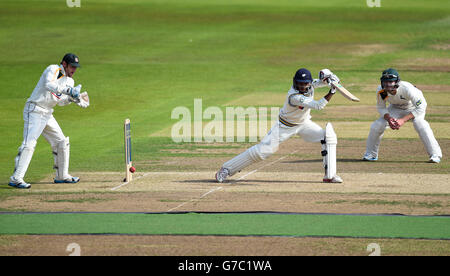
(300,100)
(328,96)
(408,117)
(318,83)
(55,87)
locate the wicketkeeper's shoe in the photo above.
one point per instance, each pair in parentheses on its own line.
(222,174)
(71,179)
(19,184)
(369,158)
(434,159)
(335,179)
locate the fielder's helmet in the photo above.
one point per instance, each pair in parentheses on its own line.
(390,75)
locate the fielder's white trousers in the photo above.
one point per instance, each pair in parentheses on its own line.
(308,130)
(420,125)
(37,121)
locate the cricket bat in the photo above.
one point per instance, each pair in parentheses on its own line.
(344,91)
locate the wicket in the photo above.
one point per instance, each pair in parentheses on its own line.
(127,143)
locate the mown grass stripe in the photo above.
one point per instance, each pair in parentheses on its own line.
(228,224)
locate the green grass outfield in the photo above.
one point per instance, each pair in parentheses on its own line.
(298,225)
(141,59)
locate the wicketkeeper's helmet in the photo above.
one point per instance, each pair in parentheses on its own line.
(71,59)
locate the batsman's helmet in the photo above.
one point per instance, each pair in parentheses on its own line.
(302,75)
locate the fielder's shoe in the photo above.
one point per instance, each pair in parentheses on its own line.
(222,174)
(434,159)
(335,179)
(70,179)
(19,184)
(367,157)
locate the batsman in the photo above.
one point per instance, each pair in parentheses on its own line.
(55,87)
(295,119)
(406,103)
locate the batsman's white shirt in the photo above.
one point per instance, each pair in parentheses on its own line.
(48,91)
(297,107)
(408,98)
(294,119)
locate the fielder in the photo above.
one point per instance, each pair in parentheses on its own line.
(406,103)
(55,87)
(294,119)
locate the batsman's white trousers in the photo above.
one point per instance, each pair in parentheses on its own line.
(37,121)
(308,130)
(420,125)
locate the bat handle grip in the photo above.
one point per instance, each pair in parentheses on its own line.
(330,82)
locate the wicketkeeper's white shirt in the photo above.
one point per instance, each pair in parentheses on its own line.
(48,91)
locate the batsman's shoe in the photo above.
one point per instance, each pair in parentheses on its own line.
(335,179)
(434,159)
(369,158)
(71,179)
(19,184)
(222,174)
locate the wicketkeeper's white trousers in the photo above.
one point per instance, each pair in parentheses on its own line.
(37,121)
(420,125)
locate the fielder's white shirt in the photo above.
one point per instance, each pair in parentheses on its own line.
(297,107)
(48,91)
(408,97)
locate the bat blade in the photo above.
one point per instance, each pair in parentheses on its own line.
(345,92)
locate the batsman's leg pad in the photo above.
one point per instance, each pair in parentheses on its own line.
(55,161)
(242,161)
(329,151)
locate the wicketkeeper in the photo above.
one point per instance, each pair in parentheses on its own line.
(55,87)
(406,103)
(294,119)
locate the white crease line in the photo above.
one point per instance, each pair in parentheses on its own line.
(240,178)
(195,199)
(268,164)
(123,184)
